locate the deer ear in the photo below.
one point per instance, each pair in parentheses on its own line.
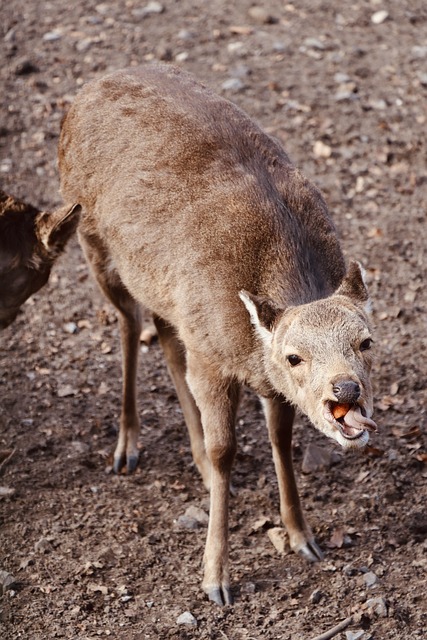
(55,229)
(263,313)
(354,286)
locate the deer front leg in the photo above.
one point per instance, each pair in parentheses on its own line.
(126,452)
(217,400)
(280,417)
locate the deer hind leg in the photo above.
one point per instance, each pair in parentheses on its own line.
(174,352)
(126,452)
(280,417)
(217,400)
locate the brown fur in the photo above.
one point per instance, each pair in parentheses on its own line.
(30,242)
(187,205)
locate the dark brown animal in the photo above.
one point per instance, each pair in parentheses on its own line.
(192,211)
(30,242)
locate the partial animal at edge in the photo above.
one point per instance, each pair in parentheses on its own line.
(30,242)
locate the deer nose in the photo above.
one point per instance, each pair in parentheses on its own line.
(346,391)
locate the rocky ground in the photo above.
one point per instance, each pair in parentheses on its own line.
(87,554)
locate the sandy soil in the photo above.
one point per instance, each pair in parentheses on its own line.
(92,554)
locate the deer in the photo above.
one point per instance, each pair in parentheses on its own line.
(191,211)
(30,242)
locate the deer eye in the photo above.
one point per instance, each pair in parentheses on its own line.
(294,360)
(366,344)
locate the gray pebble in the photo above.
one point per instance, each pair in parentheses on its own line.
(316,596)
(187,618)
(52,36)
(233,84)
(379,606)
(370,579)
(314,43)
(354,635)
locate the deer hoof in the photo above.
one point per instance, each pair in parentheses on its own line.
(220,595)
(311,552)
(119,463)
(132,463)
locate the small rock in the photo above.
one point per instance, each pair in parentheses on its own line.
(84,45)
(154,7)
(343,96)
(370,579)
(422,77)
(349,570)
(241,71)
(184,522)
(80,447)
(52,36)
(102,8)
(322,150)
(341,78)
(7,492)
(7,582)
(278,538)
(378,105)
(43,546)
(182,57)
(314,43)
(184,34)
(418,51)
(65,391)
(261,15)
(378,606)
(97,588)
(379,17)
(233,84)
(187,618)
(71,327)
(354,635)
(150,9)
(261,523)
(249,588)
(316,458)
(279,46)
(197,514)
(316,596)
(103,388)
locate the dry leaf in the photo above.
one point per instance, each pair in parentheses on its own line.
(336,539)
(362,476)
(394,388)
(407,433)
(373,452)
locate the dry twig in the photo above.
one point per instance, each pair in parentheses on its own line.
(334,630)
(5,456)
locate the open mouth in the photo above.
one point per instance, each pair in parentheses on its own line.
(349,419)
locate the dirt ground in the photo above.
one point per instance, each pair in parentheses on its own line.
(344,86)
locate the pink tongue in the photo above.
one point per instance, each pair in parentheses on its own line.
(355,419)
